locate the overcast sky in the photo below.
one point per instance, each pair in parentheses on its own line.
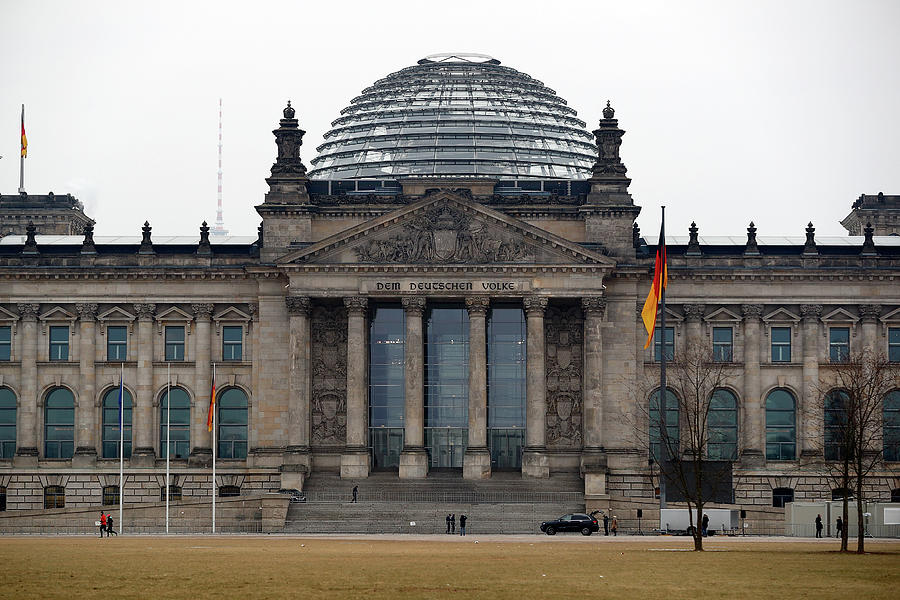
(778,112)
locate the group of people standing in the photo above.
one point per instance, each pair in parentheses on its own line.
(839,526)
(106,524)
(451,524)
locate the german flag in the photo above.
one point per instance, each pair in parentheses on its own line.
(212,406)
(660,279)
(24,139)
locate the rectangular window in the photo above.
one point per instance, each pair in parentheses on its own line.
(670,344)
(839,344)
(174,343)
(781,344)
(116,344)
(59,343)
(232,342)
(893,344)
(6,342)
(723,346)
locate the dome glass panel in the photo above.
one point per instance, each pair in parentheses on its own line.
(456,115)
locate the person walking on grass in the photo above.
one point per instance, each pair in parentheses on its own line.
(109,526)
(818,526)
(462,524)
(102,523)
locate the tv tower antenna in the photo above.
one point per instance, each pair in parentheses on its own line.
(219,227)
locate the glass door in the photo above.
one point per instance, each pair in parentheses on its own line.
(386,443)
(506,448)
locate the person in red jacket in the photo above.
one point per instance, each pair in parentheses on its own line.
(102,523)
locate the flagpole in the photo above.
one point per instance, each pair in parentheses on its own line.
(213,408)
(663,396)
(168,437)
(22,155)
(121,443)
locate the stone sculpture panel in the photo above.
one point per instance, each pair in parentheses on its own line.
(564,335)
(328,334)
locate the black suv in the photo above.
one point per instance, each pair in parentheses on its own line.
(575,522)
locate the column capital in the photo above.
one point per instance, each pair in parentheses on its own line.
(693,313)
(413,305)
(752,312)
(594,306)
(356,305)
(28,311)
(869,312)
(203,311)
(253,310)
(477,305)
(86,312)
(810,312)
(145,312)
(535,305)
(298,305)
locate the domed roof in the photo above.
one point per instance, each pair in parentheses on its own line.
(456,115)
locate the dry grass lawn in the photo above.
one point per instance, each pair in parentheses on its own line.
(519,567)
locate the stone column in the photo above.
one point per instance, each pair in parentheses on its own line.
(355,459)
(142,411)
(534,460)
(593,457)
(26,428)
(414,458)
(296,459)
(201,437)
(869,314)
(810,412)
(85,410)
(477,461)
(751,435)
(693,316)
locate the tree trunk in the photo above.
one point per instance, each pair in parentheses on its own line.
(860,524)
(698,530)
(846,526)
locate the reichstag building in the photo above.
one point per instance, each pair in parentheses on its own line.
(452,287)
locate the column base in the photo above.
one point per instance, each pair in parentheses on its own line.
(535,464)
(200,457)
(355,463)
(293,476)
(26,457)
(477,463)
(142,457)
(85,456)
(413,464)
(751,458)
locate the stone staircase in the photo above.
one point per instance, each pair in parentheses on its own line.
(506,503)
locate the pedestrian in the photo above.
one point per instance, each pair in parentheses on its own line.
(355,493)
(448,523)
(615,526)
(102,523)
(840,526)
(462,524)
(452,522)
(109,526)
(818,526)
(704,525)
(605,524)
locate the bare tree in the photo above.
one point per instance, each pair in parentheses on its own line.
(681,447)
(853,394)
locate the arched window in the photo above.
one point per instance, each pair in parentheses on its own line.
(891,434)
(232,423)
(229,491)
(110,495)
(835,424)
(7,423)
(174,491)
(54,496)
(781,496)
(59,424)
(781,426)
(179,422)
(671,433)
(723,426)
(111,423)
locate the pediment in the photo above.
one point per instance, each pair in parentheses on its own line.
(890,317)
(116,314)
(57,313)
(781,315)
(839,315)
(174,314)
(446,229)
(722,314)
(231,314)
(5,315)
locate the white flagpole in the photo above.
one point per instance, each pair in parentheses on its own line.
(214,411)
(168,436)
(121,443)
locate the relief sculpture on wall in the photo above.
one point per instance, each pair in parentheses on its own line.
(328,336)
(564,361)
(445,234)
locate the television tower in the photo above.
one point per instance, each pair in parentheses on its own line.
(219,227)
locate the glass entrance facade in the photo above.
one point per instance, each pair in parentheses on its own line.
(387,397)
(506,386)
(446,385)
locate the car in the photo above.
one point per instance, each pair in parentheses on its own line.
(296,495)
(574,522)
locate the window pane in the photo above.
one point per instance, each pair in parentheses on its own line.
(5,343)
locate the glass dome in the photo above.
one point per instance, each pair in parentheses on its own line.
(456,115)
